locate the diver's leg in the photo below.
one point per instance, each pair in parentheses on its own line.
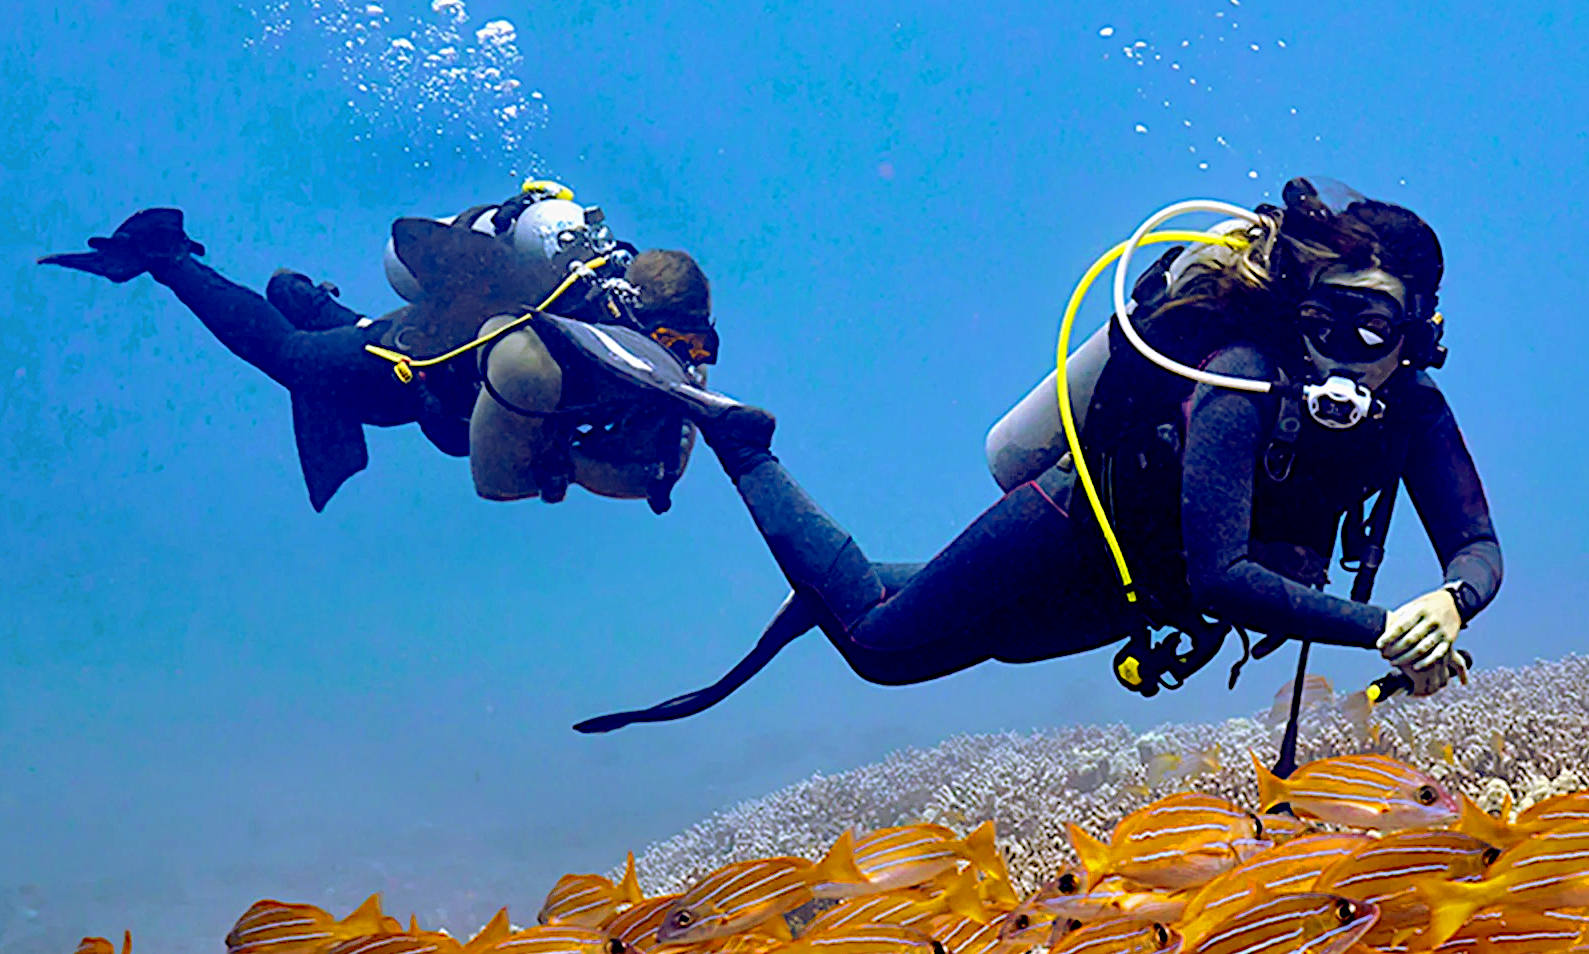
(1011,586)
(333,363)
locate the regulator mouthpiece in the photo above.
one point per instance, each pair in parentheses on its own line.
(1338,403)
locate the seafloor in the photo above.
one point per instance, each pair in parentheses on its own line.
(1522,730)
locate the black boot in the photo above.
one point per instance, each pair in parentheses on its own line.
(308,306)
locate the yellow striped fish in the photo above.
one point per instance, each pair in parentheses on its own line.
(587,900)
(1177,842)
(893,858)
(1548,813)
(1282,828)
(636,926)
(1549,870)
(411,942)
(963,935)
(864,939)
(1034,914)
(1361,791)
(498,937)
(277,927)
(1387,871)
(1289,868)
(905,909)
(747,893)
(1513,931)
(1115,937)
(100,945)
(1306,923)
(1116,897)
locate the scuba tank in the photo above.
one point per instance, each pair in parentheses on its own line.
(1029,439)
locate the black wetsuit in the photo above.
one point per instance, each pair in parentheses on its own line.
(335,384)
(1028,580)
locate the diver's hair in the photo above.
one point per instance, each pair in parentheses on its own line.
(671,286)
(1252,266)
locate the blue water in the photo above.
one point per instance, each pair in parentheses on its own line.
(210,694)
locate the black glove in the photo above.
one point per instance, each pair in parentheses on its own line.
(146,240)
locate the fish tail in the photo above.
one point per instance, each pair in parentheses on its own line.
(1451,903)
(629,888)
(962,899)
(1271,788)
(1093,853)
(838,865)
(983,851)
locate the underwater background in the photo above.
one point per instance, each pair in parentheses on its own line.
(210,694)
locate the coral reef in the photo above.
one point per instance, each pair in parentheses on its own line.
(1518,732)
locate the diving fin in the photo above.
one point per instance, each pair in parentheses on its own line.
(793,619)
(447,260)
(637,359)
(147,237)
(331,445)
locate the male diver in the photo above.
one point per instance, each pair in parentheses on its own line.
(1310,330)
(462,359)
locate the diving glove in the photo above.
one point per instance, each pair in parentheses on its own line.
(1421,632)
(1428,681)
(147,240)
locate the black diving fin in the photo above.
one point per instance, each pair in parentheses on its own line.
(331,445)
(148,236)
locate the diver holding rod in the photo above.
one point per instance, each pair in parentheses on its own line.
(1259,386)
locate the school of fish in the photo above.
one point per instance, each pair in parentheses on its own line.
(1356,854)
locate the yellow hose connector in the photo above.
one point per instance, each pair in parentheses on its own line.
(1067,417)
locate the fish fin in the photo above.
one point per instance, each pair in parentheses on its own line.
(838,865)
(1451,903)
(1093,853)
(1271,788)
(1480,824)
(778,927)
(498,928)
(962,899)
(413,924)
(629,888)
(983,851)
(126,941)
(369,911)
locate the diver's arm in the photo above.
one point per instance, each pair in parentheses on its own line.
(1444,487)
(1224,440)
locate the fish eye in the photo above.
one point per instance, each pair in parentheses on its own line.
(1490,854)
(1067,883)
(683,919)
(1426,795)
(615,946)
(1344,911)
(1072,925)
(1161,937)
(1022,922)
(938,948)
(1257,825)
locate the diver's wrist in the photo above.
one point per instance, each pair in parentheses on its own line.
(1465,596)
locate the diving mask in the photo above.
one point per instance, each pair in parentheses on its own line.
(1354,332)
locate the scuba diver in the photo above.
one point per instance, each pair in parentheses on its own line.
(1239,412)
(489,293)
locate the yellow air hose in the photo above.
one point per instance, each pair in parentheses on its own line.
(403,365)
(1067,418)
